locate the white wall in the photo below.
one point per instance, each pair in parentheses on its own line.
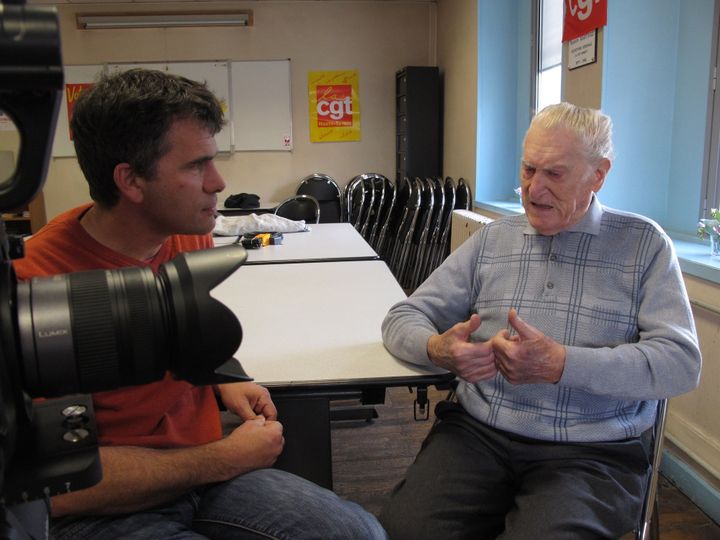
(374,37)
(457,58)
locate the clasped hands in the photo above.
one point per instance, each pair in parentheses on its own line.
(259,439)
(525,357)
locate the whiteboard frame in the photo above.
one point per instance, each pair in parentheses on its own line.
(256,97)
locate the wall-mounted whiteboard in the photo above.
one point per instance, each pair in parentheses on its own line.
(255,96)
(261,105)
(214,74)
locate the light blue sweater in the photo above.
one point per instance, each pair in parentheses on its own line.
(609,289)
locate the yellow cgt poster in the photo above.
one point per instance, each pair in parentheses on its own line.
(334,106)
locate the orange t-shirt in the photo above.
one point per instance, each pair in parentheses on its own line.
(164,414)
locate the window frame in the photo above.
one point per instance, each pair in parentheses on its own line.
(711,163)
(536,55)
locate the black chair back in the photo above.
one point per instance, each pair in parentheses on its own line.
(328,194)
(463,197)
(300,207)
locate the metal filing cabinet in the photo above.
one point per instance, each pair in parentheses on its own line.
(418,144)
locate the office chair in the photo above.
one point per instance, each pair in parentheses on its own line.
(463,195)
(366,216)
(379,183)
(405,231)
(421,235)
(386,211)
(328,194)
(426,267)
(300,207)
(404,191)
(355,201)
(443,247)
(649,526)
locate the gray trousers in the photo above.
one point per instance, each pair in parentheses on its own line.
(472,481)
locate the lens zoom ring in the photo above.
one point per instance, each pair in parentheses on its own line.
(145,324)
(95,343)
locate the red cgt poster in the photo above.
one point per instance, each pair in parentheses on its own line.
(582,17)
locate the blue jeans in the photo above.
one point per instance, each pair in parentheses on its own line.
(266,503)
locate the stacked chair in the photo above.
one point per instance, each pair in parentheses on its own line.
(326,191)
(441,248)
(409,224)
(366,198)
(355,200)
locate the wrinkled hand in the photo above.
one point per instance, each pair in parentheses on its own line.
(247,400)
(529,357)
(453,351)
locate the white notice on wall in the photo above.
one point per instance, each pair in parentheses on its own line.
(582,50)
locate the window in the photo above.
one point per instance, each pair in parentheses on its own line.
(656,88)
(711,171)
(509,64)
(548,19)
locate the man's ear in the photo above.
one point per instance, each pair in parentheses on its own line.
(128,183)
(601,171)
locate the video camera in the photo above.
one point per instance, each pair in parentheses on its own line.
(86,331)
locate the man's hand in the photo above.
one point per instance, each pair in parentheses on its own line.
(136,478)
(453,351)
(247,400)
(529,357)
(255,444)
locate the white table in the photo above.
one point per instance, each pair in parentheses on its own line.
(322,242)
(310,331)
(315,324)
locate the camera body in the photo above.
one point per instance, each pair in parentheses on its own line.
(48,446)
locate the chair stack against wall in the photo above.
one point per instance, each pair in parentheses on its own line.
(408,225)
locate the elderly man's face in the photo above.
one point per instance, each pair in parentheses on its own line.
(557,180)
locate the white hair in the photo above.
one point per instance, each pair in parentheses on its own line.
(592,128)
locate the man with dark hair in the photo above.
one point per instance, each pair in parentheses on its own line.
(564,326)
(144,141)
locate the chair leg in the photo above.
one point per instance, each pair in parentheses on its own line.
(651,529)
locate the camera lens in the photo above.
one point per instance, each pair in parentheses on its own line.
(96,329)
(103,329)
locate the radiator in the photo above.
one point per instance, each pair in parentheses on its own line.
(464,223)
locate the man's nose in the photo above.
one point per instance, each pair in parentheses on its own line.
(537,184)
(214,182)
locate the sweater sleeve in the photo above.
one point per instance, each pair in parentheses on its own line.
(443,300)
(665,361)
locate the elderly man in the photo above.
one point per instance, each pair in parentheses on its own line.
(564,326)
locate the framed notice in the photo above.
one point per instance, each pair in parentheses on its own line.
(583,50)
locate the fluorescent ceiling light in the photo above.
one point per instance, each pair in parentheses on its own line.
(162,20)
